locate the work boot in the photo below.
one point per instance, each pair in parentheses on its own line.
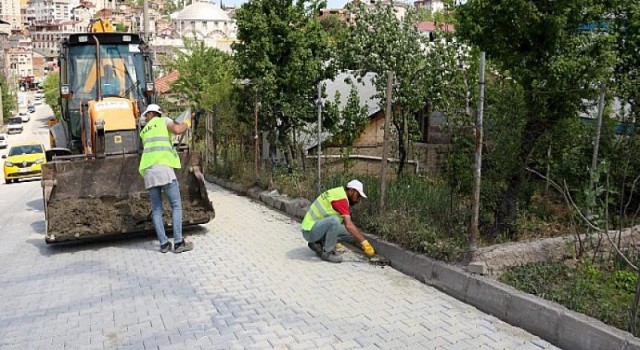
(331,257)
(183,246)
(316,247)
(165,247)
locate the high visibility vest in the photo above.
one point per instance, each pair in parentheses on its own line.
(321,208)
(158,149)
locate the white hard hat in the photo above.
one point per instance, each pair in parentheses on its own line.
(357,185)
(152,108)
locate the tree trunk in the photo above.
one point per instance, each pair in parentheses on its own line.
(399,124)
(506,214)
(507,211)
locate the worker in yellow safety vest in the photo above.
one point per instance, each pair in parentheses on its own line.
(159,158)
(328,221)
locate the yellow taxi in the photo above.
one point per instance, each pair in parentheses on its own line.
(23,161)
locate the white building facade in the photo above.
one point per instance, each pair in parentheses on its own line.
(10,12)
(202,21)
(50,11)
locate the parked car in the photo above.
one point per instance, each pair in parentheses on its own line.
(31,108)
(23,161)
(24,117)
(3,141)
(14,125)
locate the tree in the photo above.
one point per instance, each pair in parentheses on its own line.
(350,124)
(424,71)
(206,80)
(282,54)
(52,93)
(543,47)
(8,100)
(205,74)
(625,24)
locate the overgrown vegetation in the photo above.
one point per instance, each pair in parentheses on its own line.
(602,290)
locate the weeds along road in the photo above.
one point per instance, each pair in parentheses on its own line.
(250,283)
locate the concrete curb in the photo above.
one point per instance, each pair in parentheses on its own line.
(552,322)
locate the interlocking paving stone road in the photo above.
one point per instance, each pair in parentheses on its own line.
(250,283)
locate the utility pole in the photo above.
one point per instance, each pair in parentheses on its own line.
(1,109)
(385,142)
(319,185)
(596,141)
(255,133)
(475,212)
(145,20)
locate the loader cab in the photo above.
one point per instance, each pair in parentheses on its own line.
(99,72)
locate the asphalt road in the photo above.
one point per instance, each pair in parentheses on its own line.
(33,130)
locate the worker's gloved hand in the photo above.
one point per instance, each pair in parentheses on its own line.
(188,122)
(367,248)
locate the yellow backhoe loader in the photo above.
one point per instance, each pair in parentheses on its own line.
(91,185)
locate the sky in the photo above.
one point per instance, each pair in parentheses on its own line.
(330,3)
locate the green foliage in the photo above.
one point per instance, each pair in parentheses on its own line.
(353,121)
(539,46)
(421,215)
(591,289)
(625,24)
(52,93)
(121,28)
(334,27)
(171,6)
(282,53)
(9,102)
(381,42)
(205,74)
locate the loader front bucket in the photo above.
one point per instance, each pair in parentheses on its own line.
(98,197)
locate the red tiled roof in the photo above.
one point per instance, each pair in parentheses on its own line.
(163,84)
(429,26)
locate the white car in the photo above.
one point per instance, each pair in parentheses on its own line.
(3,141)
(14,125)
(25,117)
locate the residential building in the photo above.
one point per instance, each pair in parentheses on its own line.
(5,31)
(50,11)
(44,62)
(10,11)
(19,64)
(48,36)
(428,155)
(83,12)
(430,5)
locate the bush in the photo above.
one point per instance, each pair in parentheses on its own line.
(591,289)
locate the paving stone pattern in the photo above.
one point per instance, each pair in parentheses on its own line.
(250,283)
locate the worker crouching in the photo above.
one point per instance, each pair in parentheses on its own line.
(328,221)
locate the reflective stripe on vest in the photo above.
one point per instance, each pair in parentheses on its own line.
(321,208)
(158,149)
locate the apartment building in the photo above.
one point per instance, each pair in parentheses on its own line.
(50,11)
(10,12)
(19,65)
(48,36)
